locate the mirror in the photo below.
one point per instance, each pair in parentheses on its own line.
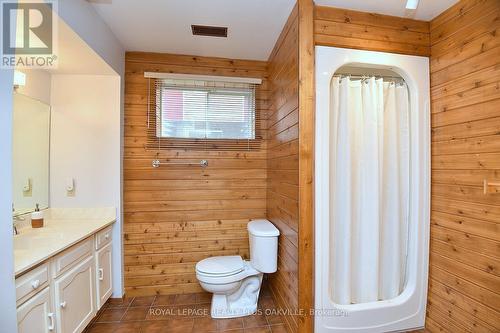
(30,154)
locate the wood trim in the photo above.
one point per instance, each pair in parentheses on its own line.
(306,163)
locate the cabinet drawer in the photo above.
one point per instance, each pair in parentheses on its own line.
(31,282)
(103,237)
(72,255)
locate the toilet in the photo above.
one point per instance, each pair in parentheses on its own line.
(234,282)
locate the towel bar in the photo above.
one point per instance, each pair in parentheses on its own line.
(202,163)
(491,187)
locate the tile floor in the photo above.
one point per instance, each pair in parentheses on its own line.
(187,313)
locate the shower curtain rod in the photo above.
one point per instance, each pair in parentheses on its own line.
(368,76)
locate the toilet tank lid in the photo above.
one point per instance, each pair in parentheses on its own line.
(262,228)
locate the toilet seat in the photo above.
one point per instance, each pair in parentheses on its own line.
(223,278)
(220,266)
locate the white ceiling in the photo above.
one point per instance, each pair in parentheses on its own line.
(165,25)
(426,10)
(254,25)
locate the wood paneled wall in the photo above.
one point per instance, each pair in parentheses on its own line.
(176,216)
(369,31)
(283,166)
(464,277)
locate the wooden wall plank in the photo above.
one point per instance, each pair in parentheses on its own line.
(283,167)
(368,31)
(176,216)
(464,286)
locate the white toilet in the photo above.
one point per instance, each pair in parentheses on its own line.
(235,282)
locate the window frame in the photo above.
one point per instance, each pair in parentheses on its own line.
(223,144)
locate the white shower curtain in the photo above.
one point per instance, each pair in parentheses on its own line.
(369,189)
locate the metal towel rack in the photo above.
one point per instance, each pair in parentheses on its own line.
(158,163)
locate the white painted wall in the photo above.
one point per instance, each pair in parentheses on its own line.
(37,85)
(86,146)
(81,16)
(8,322)
(86,22)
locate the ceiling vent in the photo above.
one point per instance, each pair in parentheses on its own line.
(205,30)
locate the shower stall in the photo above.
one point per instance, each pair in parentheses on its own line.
(372,190)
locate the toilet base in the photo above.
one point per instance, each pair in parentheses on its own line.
(241,303)
(220,310)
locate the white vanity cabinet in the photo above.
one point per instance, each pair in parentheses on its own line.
(64,293)
(36,315)
(75,297)
(104,269)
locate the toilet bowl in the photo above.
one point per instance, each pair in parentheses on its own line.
(234,282)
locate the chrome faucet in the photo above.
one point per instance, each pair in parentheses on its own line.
(14,219)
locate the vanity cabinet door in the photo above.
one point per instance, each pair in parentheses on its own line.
(75,297)
(35,315)
(104,275)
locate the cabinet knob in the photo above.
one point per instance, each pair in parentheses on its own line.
(106,236)
(35,284)
(63,304)
(101,274)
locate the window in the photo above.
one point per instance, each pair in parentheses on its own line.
(201,109)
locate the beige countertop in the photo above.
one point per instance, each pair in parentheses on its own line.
(62,229)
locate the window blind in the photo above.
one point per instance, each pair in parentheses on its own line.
(202,114)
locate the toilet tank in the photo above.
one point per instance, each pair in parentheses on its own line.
(263,236)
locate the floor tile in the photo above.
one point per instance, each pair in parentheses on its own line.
(138,313)
(154,327)
(119,302)
(266,302)
(184,299)
(133,327)
(102,328)
(143,301)
(229,324)
(258,330)
(111,314)
(180,325)
(128,328)
(203,298)
(164,300)
(204,325)
(264,290)
(256,320)
(186,313)
(278,328)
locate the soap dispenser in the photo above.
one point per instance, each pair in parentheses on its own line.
(37,218)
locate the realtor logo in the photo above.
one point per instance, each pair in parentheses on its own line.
(28,34)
